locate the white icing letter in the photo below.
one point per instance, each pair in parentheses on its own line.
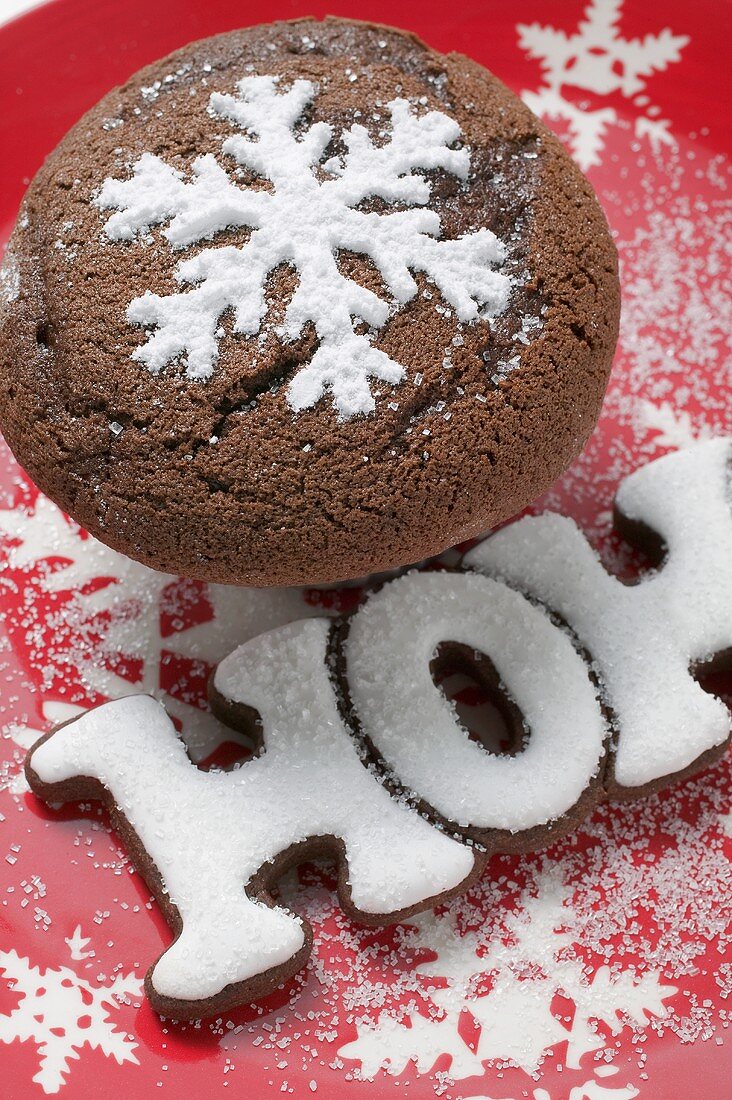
(390,644)
(643,638)
(210,834)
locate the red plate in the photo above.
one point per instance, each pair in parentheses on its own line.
(596,969)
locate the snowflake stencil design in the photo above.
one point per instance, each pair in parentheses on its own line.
(596,58)
(309,214)
(61,1013)
(531,962)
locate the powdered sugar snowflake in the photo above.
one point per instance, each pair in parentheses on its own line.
(61,1012)
(531,961)
(596,58)
(303,221)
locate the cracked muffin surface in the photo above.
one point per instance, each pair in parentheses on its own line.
(227,477)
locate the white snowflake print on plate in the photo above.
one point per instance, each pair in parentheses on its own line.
(532,961)
(61,1013)
(309,214)
(596,58)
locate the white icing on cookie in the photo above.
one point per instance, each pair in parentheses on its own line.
(390,644)
(208,834)
(643,637)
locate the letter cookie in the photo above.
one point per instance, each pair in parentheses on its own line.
(645,639)
(407,719)
(211,844)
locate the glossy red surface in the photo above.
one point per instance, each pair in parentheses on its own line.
(644,889)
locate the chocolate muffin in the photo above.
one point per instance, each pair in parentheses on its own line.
(302,302)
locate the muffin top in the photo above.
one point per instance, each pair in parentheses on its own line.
(302,302)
